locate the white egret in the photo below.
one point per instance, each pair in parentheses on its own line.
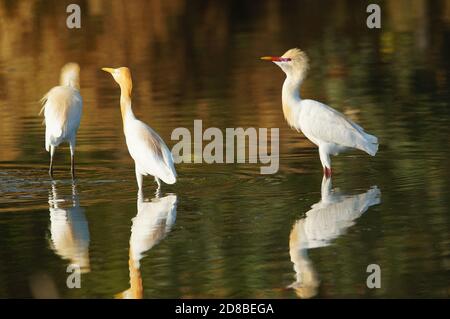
(62,108)
(324,222)
(330,130)
(151,155)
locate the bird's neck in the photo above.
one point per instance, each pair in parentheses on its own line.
(125,106)
(74,84)
(291,99)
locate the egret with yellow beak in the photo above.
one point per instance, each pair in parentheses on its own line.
(62,108)
(330,130)
(150,153)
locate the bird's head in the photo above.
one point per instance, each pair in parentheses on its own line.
(293,62)
(70,75)
(122,76)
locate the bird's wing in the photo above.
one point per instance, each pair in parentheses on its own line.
(62,109)
(150,152)
(74,111)
(43,102)
(326,124)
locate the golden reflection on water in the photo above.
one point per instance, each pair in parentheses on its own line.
(69,228)
(153,221)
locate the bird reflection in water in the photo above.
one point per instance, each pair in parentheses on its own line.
(326,221)
(152,223)
(69,228)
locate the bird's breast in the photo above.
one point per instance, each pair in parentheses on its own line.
(291,116)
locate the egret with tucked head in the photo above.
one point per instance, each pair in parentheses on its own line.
(62,107)
(146,147)
(330,130)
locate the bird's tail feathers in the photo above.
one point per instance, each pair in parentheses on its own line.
(43,101)
(54,136)
(170,174)
(170,177)
(370,144)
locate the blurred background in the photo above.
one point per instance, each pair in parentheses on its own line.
(234,229)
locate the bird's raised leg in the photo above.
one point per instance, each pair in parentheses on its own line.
(72,159)
(52,152)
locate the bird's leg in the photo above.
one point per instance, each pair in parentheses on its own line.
(72,159)
(139,179)
(158,190)
(325,160)
(52,152)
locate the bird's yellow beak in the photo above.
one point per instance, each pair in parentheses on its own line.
(266,58)
(109,70)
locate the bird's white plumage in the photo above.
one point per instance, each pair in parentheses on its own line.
(62,111)
(329,129)
(150,153)
(62,108)
(324,125)
(148,150)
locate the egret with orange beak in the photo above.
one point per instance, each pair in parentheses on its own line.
(330,130)
(149,152)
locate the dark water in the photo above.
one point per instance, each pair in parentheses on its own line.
(224,230)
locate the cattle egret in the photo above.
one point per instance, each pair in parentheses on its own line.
(146,147)
(330,130)
(324,222)
(62,108)
(152,223)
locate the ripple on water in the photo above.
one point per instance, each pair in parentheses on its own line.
(25,188)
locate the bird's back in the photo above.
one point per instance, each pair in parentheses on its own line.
(323,124)
(151,154)
(62,110)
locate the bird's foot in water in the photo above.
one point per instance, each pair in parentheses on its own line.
(327,172)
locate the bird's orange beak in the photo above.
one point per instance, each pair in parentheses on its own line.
(109,70)
(275,59)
